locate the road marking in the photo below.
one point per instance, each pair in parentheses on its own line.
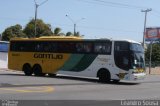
(41,89)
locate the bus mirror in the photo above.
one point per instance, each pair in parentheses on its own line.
(135,61)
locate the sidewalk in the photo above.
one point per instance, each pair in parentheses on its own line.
(154,71)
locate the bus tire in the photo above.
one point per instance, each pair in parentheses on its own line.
(104,75)
(52,75)
(37,70)
(116,81)
(27,69)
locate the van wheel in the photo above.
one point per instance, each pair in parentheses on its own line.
(104,76)
(27,69)
(37,70)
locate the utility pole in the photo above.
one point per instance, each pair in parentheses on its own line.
(144,33)
(145,20)
(74,23)
(150,57)
(36,10)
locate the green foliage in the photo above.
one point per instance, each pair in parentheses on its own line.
(77,34)
(42,29)
(69,34)
(155,53)
(57,31)
(13,31)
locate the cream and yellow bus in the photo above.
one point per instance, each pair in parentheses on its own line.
(96,58)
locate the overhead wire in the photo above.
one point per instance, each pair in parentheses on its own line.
(112,4)
(156,13)
(118,5)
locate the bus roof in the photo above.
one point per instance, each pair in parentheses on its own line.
(50,38)
(68,38)
(128,40)
(58,38)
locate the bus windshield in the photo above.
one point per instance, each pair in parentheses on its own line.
(137,57)
(128,55)
(136,47)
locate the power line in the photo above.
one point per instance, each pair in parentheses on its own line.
(118,4)
(112,4)
(156,13)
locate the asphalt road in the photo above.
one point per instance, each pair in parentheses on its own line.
(16,86)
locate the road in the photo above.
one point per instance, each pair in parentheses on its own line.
(16,86)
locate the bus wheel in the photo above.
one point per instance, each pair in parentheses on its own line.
(27,69)
(116,81)
(37,70)
(104,75)
(51,75)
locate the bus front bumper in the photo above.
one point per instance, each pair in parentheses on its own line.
(138,76)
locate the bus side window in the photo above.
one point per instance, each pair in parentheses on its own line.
(121,46)
(88,47)
(38,47)
(83,47)
(13,46)
(102,48)
(79,47)
(53,47)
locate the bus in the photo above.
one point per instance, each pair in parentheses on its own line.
(104,59)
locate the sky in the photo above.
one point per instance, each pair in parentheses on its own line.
(113,19)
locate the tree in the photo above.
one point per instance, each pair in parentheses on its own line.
(57,31)
(78,34)
(155,53)
(42,29)
(69,34)
(13,31)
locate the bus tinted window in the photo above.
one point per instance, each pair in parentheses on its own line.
(121,46)
(102,48)
(136,47)
(22,46)
(62,47)
(84,47)
(122,55)
(66,47)
(57,47)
